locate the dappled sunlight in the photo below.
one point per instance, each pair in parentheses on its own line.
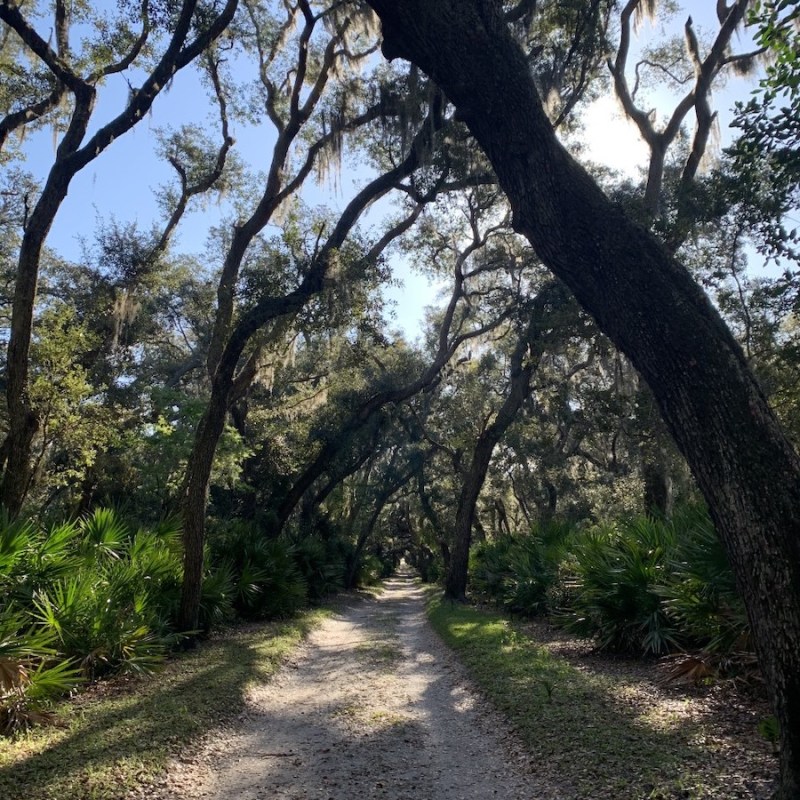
(463,700)
(371,703)
(609,733)
(138,721)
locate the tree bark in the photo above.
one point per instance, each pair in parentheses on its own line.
(653,311)
(198,476)
(657,499)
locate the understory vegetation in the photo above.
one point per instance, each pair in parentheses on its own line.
(120,734)
(640,585)
(602,731)
(91,598)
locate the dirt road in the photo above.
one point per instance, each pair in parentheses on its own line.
(372,706)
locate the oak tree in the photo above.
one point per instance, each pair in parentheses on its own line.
(649,306)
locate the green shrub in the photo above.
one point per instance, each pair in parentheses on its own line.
(701,597)
(489,568)
(371,570)
(322,565)
(113,611)
(283,588)
(31,673)
(267,582)
(78,600)
(617,588)
(657,586)
(218,594)
(524,573)
(32,557)
(702,602)
(637,585)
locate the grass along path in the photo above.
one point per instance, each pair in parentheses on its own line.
(120,734)
(604,727)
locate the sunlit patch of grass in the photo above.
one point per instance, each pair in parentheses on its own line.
(373,720)
(350,711)
(383,720)
(121,734)
(583,730)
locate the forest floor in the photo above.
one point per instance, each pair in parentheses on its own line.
(374,705)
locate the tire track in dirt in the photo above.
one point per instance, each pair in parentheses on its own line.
(373,705)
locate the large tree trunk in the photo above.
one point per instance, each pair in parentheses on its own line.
(455,585)
(23,420)
(652,310)
(23,426)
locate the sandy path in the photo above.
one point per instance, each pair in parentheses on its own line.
(372,706)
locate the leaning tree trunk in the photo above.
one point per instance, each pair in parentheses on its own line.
(524,361)
(209,432)
(198,477)
(269,308)
(455,585)
(653,311)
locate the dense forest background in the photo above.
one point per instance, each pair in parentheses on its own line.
(213,413)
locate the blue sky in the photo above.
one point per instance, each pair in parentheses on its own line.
(121,182)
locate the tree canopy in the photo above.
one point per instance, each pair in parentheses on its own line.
(602,345)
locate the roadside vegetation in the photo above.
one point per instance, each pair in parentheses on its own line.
(621,653)
(637,585)
(88,599)
(120,734)
(605,727)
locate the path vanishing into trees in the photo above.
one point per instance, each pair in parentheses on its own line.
(372,706)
